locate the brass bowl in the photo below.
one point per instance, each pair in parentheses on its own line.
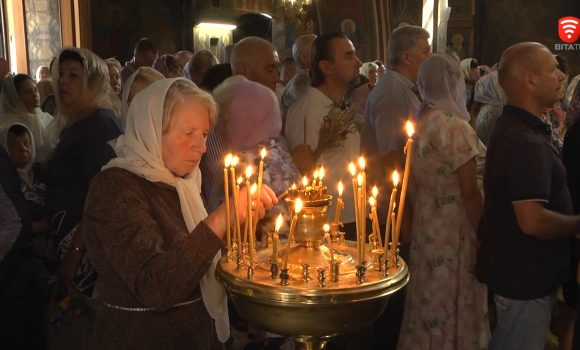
(304,311)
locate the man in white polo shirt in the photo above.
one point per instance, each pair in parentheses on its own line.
(334,66)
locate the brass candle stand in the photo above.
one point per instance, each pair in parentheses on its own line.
(315,298)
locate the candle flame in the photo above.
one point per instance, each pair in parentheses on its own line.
(326,228)
(395,178)
(298,206)
(316,174)
(321,173)
(240,180)
(249,172)
(352,169)
(253,190)
(359,179)
(361,163)
(305,181)
(228,160)
(235,161)
(279,222)
(372,201)
(340,189)
(263,153)
(294,186)
(410,129)
(375,191)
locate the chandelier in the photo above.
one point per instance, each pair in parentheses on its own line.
(302,12)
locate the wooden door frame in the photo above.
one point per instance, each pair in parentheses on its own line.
(75,19)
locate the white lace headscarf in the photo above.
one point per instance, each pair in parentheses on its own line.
(489,91)
(139,151)
(37,122)
(442,86)
(96,88)
(148,74)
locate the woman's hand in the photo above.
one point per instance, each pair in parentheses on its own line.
(217,220)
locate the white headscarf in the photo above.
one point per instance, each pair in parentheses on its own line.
(367,67)
(489,91)
(22,172)
(127,88)
(442,86)
(139,151)
(37,122)
(466,69)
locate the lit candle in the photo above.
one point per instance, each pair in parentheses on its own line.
(252,235)
(352,170)
(247,227)
(320,176)
(375,224)
(315,177)
(363,209)
(390,217)
(304,182)
(376,218)
(327,236)
(297,209)
(228,163)
(339,204)
(361,218)
(395,240)
(236,200)
(260,179)
(276,239)
(409,151)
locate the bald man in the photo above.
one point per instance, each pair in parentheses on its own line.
(524,250)
(257,60)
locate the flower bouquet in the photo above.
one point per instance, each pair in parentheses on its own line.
(335,128)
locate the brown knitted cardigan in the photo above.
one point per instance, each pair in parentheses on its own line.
(139,244)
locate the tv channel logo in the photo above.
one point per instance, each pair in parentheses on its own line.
(569,29)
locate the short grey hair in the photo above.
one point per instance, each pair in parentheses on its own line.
(302,46)
(404,39)
(244,51)
(200,61)
(185,89)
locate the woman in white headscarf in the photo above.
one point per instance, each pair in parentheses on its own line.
(470,70)
(83,95)
(138,81)
(443,291)
(148,234)
(361,94)
(21,102)
(490,98)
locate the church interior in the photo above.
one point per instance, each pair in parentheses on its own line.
(453,235)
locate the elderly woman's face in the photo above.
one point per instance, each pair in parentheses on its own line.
(184,143)
(474,74)
(43,74)
(70,82)
(115,79)
(373,76)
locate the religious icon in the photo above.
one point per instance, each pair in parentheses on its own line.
(348,28)
(202,40)
(457,39)
(226,40)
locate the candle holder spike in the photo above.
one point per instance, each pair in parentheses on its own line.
(321,277)
(274,270)
(284,277)
(251,273)
(360,274)
(334,270)
(306,272)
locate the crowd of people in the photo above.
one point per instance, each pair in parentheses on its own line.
(112,208)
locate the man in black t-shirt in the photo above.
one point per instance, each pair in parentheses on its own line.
(524,253)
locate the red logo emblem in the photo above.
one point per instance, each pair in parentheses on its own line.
(569,29)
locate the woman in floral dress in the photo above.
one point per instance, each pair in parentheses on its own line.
(446,307)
